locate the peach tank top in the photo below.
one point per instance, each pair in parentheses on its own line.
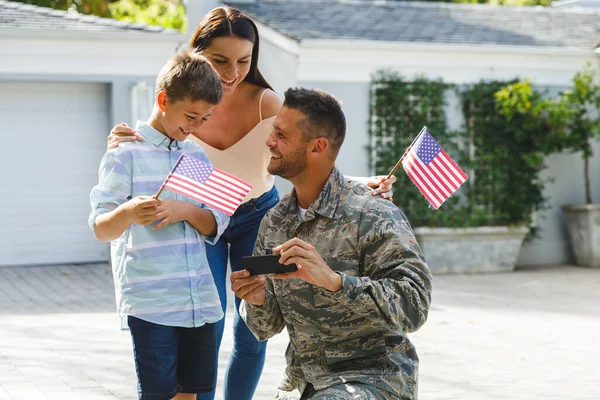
(248,158)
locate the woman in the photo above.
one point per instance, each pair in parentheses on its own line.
(234,139)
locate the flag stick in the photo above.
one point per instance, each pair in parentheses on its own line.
(167,178)
(161,187)
(395,167)
(404,155)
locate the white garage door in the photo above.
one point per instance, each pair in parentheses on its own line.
(53,137)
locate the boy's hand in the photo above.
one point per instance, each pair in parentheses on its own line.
(171,211)
(142,209)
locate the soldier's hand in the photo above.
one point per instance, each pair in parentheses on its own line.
(311,266)
(249,288)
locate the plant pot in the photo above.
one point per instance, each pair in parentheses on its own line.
(471,250)
(583,222)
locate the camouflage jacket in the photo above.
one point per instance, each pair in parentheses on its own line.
(357,333)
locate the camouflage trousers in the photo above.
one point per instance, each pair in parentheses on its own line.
(346,391)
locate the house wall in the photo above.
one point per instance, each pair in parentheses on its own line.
(552,246)
(345,69)
(128,54)
(120,60)
(355,61)
(119,106)
(353,157)
(275,62)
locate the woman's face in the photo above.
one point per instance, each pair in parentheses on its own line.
(230,56)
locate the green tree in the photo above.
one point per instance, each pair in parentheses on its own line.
(94,7)
(167,13)
(582,103)
(573,118)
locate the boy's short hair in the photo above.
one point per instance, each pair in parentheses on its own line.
(188,75)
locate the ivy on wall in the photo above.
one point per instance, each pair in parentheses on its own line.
(503,154)
(398,110)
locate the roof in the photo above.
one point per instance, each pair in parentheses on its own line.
(15,15)
(428,22)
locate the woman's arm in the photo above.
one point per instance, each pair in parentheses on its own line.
(380,185)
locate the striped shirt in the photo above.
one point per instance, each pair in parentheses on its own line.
(161,276)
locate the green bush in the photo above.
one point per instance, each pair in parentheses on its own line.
(509,129)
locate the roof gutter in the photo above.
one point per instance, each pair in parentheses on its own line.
(278,39)
(96,35)
(445,47)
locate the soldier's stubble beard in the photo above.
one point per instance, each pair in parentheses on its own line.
(290,165)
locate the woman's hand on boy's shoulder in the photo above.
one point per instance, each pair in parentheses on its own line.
(122,133)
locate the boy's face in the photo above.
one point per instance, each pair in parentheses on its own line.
(182,118)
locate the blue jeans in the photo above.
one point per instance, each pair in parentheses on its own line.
(248,354)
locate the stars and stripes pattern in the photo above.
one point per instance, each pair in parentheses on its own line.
(202,182)
(436,175)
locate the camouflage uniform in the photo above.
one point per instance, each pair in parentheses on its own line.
(358,333)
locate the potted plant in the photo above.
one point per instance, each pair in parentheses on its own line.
(582,105)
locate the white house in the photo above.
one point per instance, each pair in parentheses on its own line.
(65,80)
(337,44)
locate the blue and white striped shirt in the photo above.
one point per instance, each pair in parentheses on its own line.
(161,276)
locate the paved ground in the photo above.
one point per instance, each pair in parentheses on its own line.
(531,334)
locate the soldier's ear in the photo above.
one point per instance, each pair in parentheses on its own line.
(319,146)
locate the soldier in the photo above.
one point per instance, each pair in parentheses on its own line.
(362,282)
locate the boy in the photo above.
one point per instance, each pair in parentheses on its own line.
(163,284)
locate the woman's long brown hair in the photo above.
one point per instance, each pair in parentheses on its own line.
(228,21)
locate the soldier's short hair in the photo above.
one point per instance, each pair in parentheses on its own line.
(323,116)
(188,75)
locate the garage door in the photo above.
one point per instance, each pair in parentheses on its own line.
(53,137)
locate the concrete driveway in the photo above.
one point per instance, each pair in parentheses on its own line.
(530,334)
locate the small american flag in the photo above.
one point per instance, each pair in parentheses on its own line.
(436,175)
(201,181)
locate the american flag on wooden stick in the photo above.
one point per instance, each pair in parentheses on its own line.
(436,175)
(202,182)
